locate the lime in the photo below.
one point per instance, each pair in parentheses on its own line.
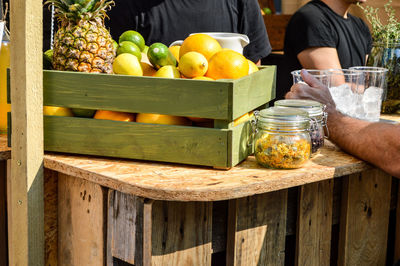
(133,36)
(79,112)
(267,11)
(130,48)
(115,44)
(146,48)
(127,64)
(48,59)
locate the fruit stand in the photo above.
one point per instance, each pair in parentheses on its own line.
(81,210)
(337,209)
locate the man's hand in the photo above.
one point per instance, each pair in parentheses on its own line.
(315,91)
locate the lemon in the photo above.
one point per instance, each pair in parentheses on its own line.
(202,78)
(57,111)
(252,67)
(148,69)
(130,48)
(175,51)
(193,64)
(127,64)
(133,36)
(168,72)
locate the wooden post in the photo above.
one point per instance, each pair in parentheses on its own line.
(26,199)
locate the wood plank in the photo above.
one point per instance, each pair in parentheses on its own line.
(241,145)
(50,217)
(257,230)
(171,181)
(181,233)
(27,115)
(180,97)
(191,145)
(314,224)
(364,218)
(125,216)
(3,214)
(253,91)
(397,231)
(81,222)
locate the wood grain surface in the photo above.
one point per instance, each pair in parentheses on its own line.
(364,218)
(314,224)
(188,183)
(81,222)
(257,230)
(3,214)
(181,233)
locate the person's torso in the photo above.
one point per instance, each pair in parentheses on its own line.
(169,20)
(351,38)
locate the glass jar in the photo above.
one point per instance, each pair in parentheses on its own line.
(317,115)
(282,138)
(387,55)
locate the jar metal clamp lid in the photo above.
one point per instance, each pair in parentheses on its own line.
(316,110)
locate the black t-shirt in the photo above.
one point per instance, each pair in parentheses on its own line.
(170,20)
(316,25)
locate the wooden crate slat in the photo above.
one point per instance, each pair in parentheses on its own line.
(191,145)
(364,218)
(253,91)
(257,230)
(81,222)
(181,233)
(137,94)
(241,145)
(314,223)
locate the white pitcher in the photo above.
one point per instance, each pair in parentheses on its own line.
(234,41)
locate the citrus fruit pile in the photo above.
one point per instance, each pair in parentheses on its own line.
(200,57)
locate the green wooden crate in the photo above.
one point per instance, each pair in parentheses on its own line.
(223,146)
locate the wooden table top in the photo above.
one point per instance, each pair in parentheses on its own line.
(163,181)
(176,182)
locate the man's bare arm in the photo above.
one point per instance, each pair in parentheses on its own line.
(377,143)
(319,58)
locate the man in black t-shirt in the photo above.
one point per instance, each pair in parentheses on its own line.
(323,35)
(170,20)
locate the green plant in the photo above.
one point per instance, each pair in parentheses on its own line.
(386,33)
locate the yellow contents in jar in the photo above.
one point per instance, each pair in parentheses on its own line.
(283,151)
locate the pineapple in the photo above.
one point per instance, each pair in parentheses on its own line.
(82,43)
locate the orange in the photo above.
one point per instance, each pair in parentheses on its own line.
(201,43)
(199,119)
(113,115)
(227,64)
(162,119)
(148,69)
